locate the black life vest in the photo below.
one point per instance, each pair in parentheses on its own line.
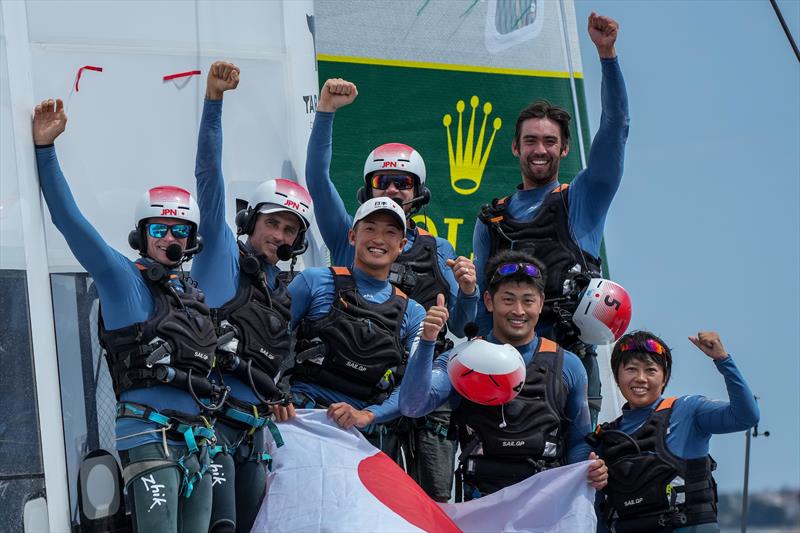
(260,317)
(416,271)
(522,437)
(547,237)
(180,328)
(355,348)
(649,488)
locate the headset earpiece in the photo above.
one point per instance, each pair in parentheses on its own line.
(242,220)
(250,264)
(425,196)
(361,195)
(134,239)
(155,272)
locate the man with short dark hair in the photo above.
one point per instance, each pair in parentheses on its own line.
(560,224)
(546,421)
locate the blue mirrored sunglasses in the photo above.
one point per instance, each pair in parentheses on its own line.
(179,231)
(506,269)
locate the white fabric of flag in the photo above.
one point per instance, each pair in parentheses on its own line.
(332,480)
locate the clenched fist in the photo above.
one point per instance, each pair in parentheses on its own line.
(222,76)
(336,93)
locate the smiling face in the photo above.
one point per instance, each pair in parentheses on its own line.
(540,150)
(157,247)
(641,381)
(378,240)
(273,230)
(515,309)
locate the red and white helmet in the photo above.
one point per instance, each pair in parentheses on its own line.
(486,373)
(167,201)
(395,156)
(283,195)
(603,313)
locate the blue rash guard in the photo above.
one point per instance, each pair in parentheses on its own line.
(695,418)
(216,270)
(125,298)
(332,217)
(312,294)
(590,193)
(426,386)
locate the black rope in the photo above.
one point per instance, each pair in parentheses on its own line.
(785,28)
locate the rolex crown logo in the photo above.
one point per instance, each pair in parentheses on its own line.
(469,159)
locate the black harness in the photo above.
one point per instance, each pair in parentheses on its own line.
(259,319)
(178,339)
(649,488)
(356,347)
(416,271)
(547,237)
(502,445)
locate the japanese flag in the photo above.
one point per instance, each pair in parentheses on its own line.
(331,480)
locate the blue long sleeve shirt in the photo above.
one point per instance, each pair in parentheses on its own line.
(333,221)
(426,386)
(216,270)
(695,418)
(591,192)
(312,294)
(125,298)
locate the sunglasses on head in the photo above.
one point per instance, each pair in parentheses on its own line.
(506,269)
(648,345)
(383,181)
(179,231)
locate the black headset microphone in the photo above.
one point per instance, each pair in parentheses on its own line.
(284,252)
(175,252)
(423,198)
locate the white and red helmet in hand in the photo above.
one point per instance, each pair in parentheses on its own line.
(395,156)
(603,313)
(486,373)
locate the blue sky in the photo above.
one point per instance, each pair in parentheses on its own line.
(705,230)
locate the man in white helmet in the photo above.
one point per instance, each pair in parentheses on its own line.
(427,267)
(251,304)
(155,329)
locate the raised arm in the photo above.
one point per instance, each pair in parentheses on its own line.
(594,188)
(332,217)
(216,270)
(724,417)
(91,250)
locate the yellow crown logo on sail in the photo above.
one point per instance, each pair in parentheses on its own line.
(469,160)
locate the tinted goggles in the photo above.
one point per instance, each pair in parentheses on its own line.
(179,231)
(648,345)
(507,269)
(401,181)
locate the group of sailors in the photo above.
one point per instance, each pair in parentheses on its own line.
(203,366)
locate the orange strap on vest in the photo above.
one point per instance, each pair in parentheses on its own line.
(547,346)
(666,403)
